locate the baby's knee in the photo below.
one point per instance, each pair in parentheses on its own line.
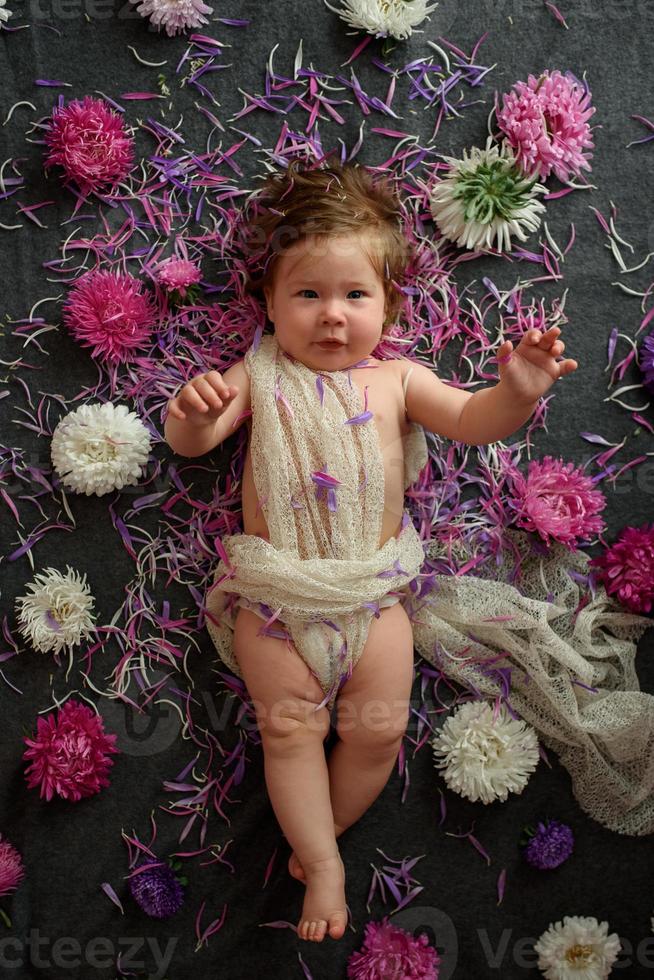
(291,720)
(375,725)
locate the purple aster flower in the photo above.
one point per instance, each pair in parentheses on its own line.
(549,846)
(156,889)
(647,361)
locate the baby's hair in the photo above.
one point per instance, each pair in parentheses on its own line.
(333,199)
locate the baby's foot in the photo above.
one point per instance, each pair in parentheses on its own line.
(324,901)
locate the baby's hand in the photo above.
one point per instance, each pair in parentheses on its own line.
(202,400)
(532,367)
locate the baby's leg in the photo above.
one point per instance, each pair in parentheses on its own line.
(285,694)
(372,715)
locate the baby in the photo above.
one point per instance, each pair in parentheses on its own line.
(328,552)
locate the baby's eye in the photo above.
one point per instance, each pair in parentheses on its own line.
(359,291)
(303,291)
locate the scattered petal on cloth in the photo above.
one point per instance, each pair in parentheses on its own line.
(11,868)
(546,122)
(579,948)
(484,197)
(58,611)
(485,759)
(69,755)
(558,500)
(99,448)
(646,361)
(549,845)
(627,568)
(89,141)
(175,15)
(157,891)
(390,953)
(384,18)
(110,313)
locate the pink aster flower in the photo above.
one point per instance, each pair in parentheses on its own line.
(88,139)
(11,868)
(557,500)
(69,754)
(546,123)
(110,313)
(627,568)
(177,274)
(390,953)
(174,15)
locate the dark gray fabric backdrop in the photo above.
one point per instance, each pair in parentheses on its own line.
(69,849)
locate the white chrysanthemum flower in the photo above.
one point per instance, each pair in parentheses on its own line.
(58,612)
(4,13)
(485,196)
(484,759)
(175,15)
(99,448)
(384,18)
(579,948)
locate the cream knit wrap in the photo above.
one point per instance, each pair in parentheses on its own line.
(568,672)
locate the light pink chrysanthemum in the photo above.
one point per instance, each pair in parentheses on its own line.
(11,868)
(177,274)
(175,15)
(110,313)
(69,755)
(88,139)
(627,568)
(390,953)
(557,500)
(546,123)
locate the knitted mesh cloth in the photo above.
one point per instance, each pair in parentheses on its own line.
(323,570)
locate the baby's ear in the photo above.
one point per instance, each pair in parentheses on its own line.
(268,293)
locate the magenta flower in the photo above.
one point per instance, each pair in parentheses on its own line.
(177,274)
(646,361)
(390,953)
(627,568)
(546,123)
(110,313)
(89,140)
(557,500)
(11,868)
(69,754)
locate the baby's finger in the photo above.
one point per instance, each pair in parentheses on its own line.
(193,399)
(567,366)
(214,379)
(175,411)
(208,393)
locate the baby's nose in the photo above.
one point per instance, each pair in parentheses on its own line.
(332,309)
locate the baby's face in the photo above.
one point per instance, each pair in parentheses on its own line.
(326,289)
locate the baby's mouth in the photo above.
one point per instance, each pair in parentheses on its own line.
(330,344)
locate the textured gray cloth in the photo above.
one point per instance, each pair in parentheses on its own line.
(69,849)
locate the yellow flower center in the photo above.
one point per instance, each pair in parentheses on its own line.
(577,954)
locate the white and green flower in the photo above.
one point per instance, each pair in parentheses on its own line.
(579,948)
(485,199)
(384,18)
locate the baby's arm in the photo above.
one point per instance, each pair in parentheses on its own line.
(207,410)
(495,412)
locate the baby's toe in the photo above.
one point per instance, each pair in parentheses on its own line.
(337,924)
